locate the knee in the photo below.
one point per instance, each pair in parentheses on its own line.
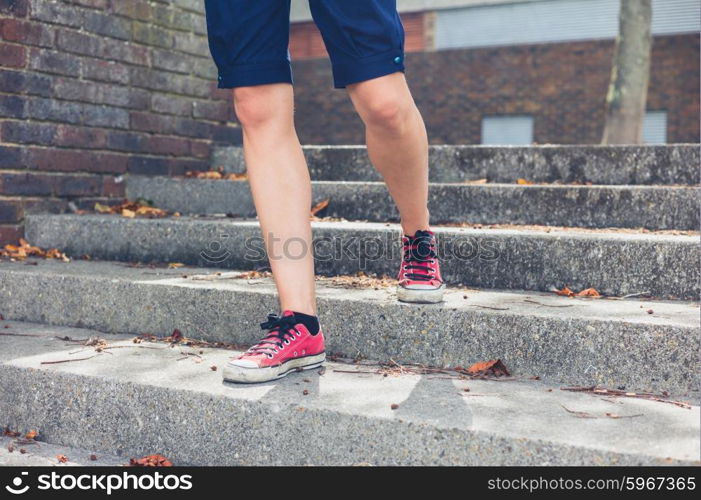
(389,113)
(254,107)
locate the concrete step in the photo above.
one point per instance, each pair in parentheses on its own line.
(625,164)
(43,454)
(660,265)
(650,207)
(140,398)
(636,344)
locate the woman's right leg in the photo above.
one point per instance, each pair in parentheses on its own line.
(281,188)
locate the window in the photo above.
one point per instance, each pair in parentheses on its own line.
(543,21)
(655,127)
(507,129)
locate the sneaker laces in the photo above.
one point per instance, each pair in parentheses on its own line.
(280,328)
(419,253)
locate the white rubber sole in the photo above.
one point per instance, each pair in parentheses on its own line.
(243,375)
(419,296)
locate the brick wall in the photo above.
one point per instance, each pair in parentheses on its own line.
(306,42)
(563,85)
(93,89)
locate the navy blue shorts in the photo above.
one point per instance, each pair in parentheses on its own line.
(249,39)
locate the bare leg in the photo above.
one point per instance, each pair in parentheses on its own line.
(281,188)
(397,144)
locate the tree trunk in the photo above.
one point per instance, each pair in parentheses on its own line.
(627,94)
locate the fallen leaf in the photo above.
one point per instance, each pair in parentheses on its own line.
(251,275)
(588,292)
(150,461)
(320,206)
(62,459)
(211,174)
(493,368)
(174,265)
(9,433)
(24,250)
(565,291)
(102,209)
(524,181)
(176,336)
(31,435)
(476,181)
(128,213)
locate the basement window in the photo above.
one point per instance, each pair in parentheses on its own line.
(655,127)
(507,130)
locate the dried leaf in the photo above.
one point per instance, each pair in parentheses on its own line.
(565,291)
(251,275)
(493,368)
(31,435)
(524,181)
(174,265)
(588,292)
(102,209)
(320,206)
(150,461)
(24,250)
(237,177)
(176,336)
(9,433)
(62,459)
(128,213)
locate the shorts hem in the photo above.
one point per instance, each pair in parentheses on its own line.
(347,72)
(245,75)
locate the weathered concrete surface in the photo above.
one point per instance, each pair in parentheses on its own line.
(666,266)
(140,399)
(614,343)
(624,164)
(650,207)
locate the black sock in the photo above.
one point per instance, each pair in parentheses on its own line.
(309,321)
(417,231)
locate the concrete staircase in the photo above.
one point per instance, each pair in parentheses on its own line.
(622,220)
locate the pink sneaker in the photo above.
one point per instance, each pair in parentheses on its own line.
(420,274)
(289,346)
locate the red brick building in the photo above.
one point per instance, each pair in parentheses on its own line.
(512,71)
